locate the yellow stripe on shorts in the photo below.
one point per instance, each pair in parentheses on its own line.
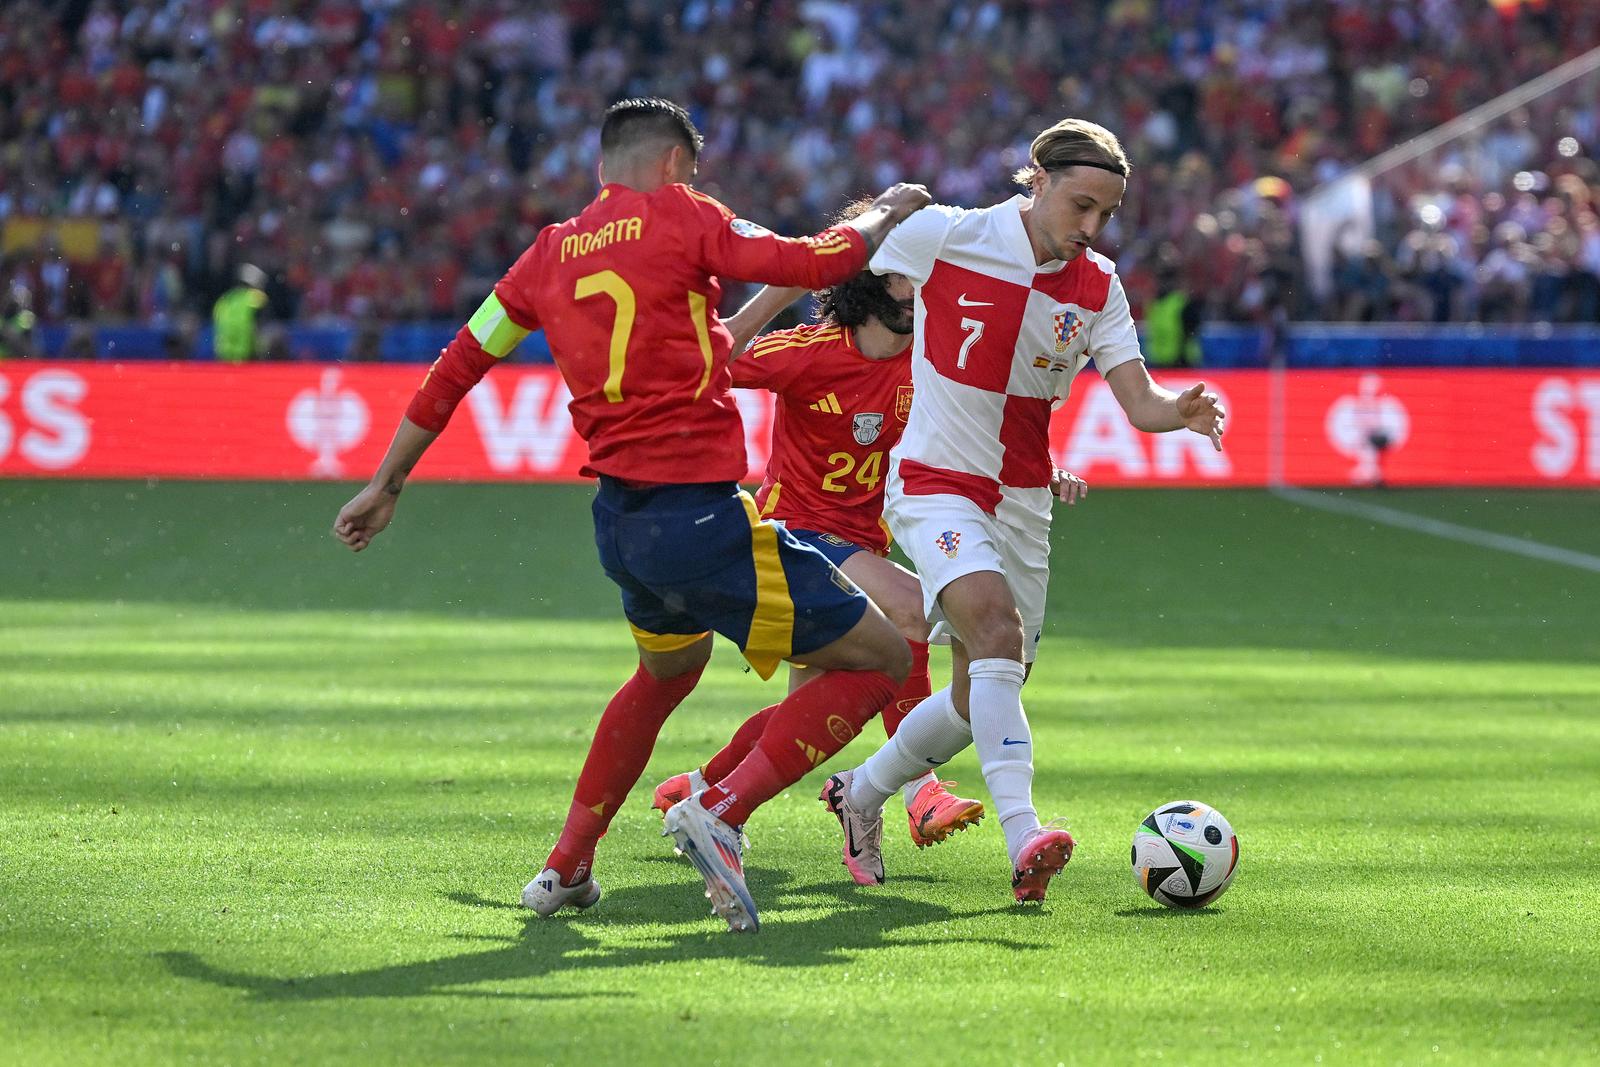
(771,634)
(664,642)
(772,499)
(494,329)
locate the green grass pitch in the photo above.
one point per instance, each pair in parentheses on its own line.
(262,801)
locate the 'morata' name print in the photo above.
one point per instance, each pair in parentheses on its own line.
(581,244)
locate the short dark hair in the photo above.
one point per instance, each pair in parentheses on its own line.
(638,119)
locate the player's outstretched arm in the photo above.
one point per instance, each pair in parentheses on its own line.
(893,206)
(750,319)
(370,510)
(1153,409)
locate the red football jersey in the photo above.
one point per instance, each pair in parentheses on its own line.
(627,293)
(838,415)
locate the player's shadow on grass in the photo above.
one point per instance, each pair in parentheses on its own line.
(634,926)
(1157,913)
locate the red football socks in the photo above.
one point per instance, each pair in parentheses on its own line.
(621,747)
(738,747)
(810,725)
(916,689)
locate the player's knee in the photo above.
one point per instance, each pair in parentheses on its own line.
(664,666)
(897,659)
(882,648)
(911,623)
(996,632)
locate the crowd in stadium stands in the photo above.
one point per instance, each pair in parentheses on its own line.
(388,159)
(1501,229)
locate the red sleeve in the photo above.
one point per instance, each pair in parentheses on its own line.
(732,247)
(495,329)
(460,366)
(771,362)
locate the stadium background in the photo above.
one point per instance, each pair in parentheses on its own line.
(382,162)
(263,801)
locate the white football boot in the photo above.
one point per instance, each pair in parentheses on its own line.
(715,849)
(546,895)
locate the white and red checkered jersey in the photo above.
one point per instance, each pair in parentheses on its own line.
(998,342)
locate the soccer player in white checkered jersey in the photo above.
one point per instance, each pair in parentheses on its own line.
(1011,302)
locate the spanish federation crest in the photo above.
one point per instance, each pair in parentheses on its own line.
(902,402)
(1067,326)
(866,426)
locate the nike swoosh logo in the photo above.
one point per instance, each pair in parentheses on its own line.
(1008,741)
(964,302)
(937,762)
(850,841)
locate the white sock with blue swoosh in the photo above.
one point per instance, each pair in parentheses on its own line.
(927,738)
(1005,746)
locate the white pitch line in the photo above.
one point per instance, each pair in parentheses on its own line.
(1517,546)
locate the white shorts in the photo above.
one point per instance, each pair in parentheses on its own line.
(949,536)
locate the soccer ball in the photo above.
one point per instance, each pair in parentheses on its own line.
(1185,854)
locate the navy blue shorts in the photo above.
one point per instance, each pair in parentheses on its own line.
(837,549)
(694,558)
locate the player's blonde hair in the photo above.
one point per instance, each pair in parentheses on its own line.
(1074,142)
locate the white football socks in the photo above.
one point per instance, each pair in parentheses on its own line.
(1005,746)
(928,737)
(910,790)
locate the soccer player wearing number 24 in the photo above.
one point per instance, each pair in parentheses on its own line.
(844,393)
(1011,304)
(626,293)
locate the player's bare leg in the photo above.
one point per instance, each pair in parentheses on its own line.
(980,608)
(983,705)
(860,671)
(933,813)
(898,595)
(621,747)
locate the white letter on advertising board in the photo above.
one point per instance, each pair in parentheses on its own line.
(1556,451)
(1101,434)
(1589,395)
(60,433)
(536,424)
(5,423)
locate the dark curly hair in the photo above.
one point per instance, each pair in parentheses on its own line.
(855,300)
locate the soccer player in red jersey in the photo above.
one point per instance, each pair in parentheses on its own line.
(626,292)
(844,392)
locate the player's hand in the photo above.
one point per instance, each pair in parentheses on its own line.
(368,512)
(1068,487)
(1202,412)
(902,200)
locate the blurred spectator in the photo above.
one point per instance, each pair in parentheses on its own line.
(235,336)
(1368,285)
(16,321)
(1172,323)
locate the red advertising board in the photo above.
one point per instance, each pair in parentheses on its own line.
(1435,427)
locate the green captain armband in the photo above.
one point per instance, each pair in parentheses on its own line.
(494,329)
